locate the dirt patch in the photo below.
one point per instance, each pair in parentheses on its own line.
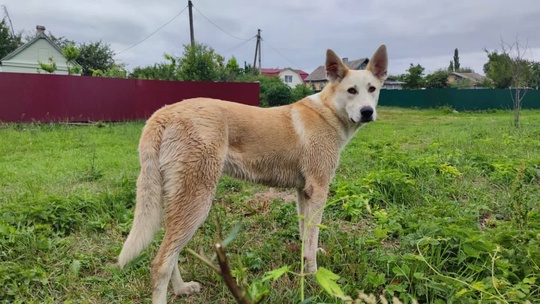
(271,194)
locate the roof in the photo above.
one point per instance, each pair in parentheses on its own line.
(29,43)
(472,76)
(275,72)
(320,73)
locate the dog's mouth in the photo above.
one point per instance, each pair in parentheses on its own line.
(363,120)
(366,120)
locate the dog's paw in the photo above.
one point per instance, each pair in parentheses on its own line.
(188,288)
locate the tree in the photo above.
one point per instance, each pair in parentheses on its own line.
(95,56)
(230,71)
(71,53)
(200,63)
(451,67)
(499,69)
(437,79)
(466,70)
(61,41)
(534,75)
(9,41)
(456,60)
(510,69)
(414,77)
(160,71)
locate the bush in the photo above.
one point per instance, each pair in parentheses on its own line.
(300,91)
(278,95)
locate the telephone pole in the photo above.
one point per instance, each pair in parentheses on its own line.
(257,51)
(190,6)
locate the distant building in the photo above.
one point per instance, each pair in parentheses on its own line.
(289,76)
(26,58)
(392,84)
(317,79)
(466,80)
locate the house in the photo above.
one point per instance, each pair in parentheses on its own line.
(287,75)
(466,80)
(317,79)
(41,48)
(392,84)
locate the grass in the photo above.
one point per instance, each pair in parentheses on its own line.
(436,206)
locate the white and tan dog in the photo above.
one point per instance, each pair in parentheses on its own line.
(187,146)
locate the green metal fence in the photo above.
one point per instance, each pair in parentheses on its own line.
(461,100)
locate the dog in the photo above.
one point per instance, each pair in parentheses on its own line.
(185,148)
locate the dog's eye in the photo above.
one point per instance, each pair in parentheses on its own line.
(371,89)
(352,91)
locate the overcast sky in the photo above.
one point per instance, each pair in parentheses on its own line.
(296,33)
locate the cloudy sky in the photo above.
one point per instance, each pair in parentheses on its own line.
(295,33)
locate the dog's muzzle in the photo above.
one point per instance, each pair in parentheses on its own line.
(366,114)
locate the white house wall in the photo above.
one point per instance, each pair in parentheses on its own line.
(27,60)
(296,79)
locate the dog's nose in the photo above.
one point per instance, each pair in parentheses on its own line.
(366,113)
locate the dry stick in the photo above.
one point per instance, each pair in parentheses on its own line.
(239,294)
(224,271)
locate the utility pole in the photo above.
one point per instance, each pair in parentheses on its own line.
(190,6)
(260,40)
(257,51)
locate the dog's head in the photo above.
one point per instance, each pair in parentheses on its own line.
(356,92)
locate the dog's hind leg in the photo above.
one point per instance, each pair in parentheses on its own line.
(189,188)
(178,285)
(181,223)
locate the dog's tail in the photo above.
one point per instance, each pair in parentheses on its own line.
(148,209)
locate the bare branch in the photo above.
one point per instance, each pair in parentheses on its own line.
(239,294)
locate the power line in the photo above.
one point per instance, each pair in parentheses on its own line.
(237,46)
(219,28)
(279,53)
(151,34)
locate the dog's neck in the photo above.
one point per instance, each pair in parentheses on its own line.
(323,104)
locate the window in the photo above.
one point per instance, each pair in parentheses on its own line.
(288,78)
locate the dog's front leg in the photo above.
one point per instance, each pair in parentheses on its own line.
(315,200)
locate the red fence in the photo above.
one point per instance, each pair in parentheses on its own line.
(38,97)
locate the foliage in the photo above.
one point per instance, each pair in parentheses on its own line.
(61,41)
(159,71)
(499,69)
(230,71)
(456,64)
(464,83)
(49,67)
(116,71)
(200,63)
(533,79)
(71,53)
(414,77)
(95,56)
(437,79)
(8,40)
(278,94)
(300,91)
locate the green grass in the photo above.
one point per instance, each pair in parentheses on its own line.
(436,206)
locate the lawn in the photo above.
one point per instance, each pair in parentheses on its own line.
(431,205)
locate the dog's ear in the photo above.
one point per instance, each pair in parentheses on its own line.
(378,65)
(335,69)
